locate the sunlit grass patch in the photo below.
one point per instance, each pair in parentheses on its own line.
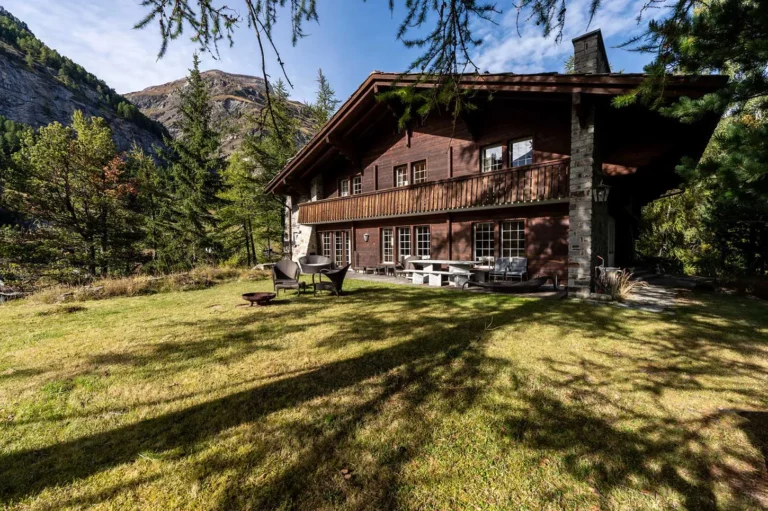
(386,397)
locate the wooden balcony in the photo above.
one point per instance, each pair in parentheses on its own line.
(534,183)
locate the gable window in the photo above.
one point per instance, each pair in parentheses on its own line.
(419,172)
(521,152)
(387,245)
(403,242)
(513,239)
(493,158)
(357,185)
(484,243)
(344,187)
(401,175)
(423,241)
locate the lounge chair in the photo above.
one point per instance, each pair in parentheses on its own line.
(335,280)
(500,266)
(285,275)
(518,267)
(312,264)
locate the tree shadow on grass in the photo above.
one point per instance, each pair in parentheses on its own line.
(575,408)
(28,472)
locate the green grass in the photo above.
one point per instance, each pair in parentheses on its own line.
(388,397)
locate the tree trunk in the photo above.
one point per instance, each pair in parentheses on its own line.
(247,245)
(250,240)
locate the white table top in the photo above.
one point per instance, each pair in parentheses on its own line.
(442,261)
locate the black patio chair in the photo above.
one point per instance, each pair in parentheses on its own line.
(285,275)
(335,280)
(313,264)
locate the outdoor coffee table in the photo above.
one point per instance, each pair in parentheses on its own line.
(260,299)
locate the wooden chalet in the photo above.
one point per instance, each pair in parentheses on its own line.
(518,176)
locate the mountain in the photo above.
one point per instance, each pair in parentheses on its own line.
(39,86)
(235,99)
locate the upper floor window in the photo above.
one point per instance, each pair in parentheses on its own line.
(401,175)
(521,152)
(419,172)
(492,158)
(344,187)
(357,185)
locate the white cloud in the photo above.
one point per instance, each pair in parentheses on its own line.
(530,52)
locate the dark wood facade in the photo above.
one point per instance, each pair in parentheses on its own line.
(347,198)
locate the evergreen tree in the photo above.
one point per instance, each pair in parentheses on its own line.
(325,103)
(241,204)
(76,188)
(268,151)
(154,202)
(195,164)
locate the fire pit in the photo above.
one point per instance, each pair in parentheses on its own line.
(258,298)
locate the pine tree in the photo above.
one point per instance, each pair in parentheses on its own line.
(268,151)
(76,187)
(241,204)
(195,163)
(325,103)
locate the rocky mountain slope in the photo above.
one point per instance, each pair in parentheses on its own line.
(39,86)
(235,98)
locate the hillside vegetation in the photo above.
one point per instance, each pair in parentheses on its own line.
(39,86)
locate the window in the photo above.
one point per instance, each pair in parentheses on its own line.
(484,246)
(401,175)
(419,172)
(521,152)
(423,241)
(403,242)
(344,187)
(357,185)
(492,158)
(340,259)
(326,244)
(387,245)
(513,239)
(347,247)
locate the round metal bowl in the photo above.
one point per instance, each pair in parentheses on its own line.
(260,299)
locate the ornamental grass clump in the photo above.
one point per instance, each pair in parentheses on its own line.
(621,285)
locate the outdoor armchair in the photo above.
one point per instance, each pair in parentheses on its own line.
(335,280)
(518,267)
(500,266)
(285,275)
(313,264)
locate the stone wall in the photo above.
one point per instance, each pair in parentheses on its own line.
(301,238)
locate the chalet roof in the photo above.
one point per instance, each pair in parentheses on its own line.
(355,111)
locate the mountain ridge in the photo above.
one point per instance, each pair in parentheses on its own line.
(235,97)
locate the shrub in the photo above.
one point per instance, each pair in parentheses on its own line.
(198,278)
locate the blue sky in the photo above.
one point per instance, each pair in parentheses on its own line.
(352,39)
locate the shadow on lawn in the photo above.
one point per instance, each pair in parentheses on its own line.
(443,360)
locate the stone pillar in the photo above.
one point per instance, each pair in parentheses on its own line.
(302,238)
(580,253)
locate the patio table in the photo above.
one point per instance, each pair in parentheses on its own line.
(435,277)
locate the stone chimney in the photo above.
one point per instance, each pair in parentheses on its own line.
(589,54)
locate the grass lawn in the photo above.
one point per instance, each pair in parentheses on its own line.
(388,397)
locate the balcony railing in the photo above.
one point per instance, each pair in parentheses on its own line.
(541,182)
